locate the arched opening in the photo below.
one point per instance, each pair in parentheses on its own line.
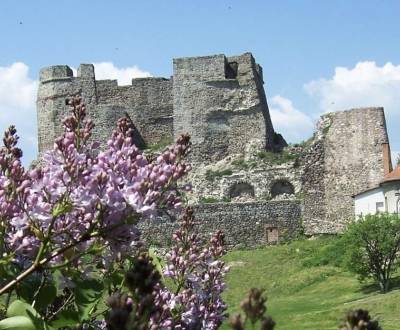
(282,187)
(241,190)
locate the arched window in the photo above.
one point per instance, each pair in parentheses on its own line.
(241,189)
(282,187)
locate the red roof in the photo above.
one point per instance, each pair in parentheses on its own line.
(393,176)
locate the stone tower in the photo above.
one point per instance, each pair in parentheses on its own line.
(147,101)
(220,102)
(350,154)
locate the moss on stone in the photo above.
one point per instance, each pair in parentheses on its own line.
(212,175)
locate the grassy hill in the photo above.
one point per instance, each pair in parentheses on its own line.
(305,287)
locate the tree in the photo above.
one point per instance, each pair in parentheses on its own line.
(373,247)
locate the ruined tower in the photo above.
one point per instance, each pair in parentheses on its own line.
(240,183)
(147,101)
(220,102)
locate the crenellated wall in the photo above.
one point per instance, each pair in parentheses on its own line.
(220,101)
(147,101)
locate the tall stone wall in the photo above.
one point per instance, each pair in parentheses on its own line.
(346,158)
(147,101)
(221,103)
(244,224)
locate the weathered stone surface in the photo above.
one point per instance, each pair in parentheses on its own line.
(148,102)
(244,224)
(347,157)
(220,101)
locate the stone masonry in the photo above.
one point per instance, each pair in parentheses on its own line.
(246,180)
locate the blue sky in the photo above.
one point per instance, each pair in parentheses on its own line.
(317,56)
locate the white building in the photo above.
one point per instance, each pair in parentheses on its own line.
(383,198)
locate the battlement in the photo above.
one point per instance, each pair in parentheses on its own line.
(147,101)
(220,102)
(55,72)
(210,97)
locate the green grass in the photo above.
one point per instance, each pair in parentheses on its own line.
(212,175)
(277,157)
(211,200)
(305,289)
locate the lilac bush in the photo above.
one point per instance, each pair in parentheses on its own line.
(192,299)
(55,213)
(73,218)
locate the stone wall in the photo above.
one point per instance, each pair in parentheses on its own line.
(147,101)
(244,224)
(220,102)
(347,158)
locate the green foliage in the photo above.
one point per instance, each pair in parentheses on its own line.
(241,164)
(159,146)
(301,296)
(210,200)
(328,126)
(87,295)
(22,316)
(277,158)
(329,250)
(304,143)
(212,175)
(373,247)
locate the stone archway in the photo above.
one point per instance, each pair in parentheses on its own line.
(241,190)
(281,187)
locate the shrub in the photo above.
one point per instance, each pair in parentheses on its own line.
(373,247)
(277,157)
(68,232)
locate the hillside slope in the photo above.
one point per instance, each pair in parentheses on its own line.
(302,295)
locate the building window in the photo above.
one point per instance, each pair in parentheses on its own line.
(380,207)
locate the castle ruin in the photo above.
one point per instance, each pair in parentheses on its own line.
(246,180)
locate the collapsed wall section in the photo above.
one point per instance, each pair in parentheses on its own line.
(350,155)
(147,101)
(221,103)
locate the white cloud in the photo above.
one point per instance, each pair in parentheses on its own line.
(367,84)
(293,124)
(17,105)
(107,70)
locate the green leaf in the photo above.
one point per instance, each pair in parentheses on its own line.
(156,261)
(46,296)
(17,323)
(87,295)
(66,318)
(61,208)
(19,309)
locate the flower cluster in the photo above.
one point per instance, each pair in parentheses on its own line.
(195,301)
(81,196)
(198,275)
(254,308)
